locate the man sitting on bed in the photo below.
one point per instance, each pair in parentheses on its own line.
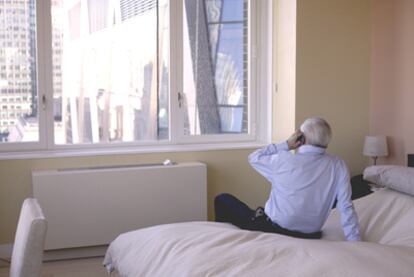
(304,187)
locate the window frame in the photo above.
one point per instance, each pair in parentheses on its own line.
(259,101)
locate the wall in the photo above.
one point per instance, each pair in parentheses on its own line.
(392,82)
(332,65)
(333,71)
(284,60)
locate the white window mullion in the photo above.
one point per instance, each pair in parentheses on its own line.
(253,72)
(264,68)
(176,71)
(44,69)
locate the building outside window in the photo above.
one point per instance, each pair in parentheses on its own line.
(128,72)
(17,67)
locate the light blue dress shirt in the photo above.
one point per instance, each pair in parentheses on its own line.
(305,186)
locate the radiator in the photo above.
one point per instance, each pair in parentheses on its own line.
(91,206)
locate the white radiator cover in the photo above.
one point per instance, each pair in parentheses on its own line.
(90,207)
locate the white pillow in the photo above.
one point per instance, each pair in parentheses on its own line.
(399,178)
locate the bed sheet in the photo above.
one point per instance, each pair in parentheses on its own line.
(220,249)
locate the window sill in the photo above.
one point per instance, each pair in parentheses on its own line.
(62,153)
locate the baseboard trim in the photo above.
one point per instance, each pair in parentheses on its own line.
(6,250)
(59,254)
(75,253)
(5,253)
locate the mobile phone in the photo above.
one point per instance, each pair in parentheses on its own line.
(301,139)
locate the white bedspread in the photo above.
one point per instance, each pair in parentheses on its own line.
(219,249)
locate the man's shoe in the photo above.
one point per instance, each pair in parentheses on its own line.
(259,214)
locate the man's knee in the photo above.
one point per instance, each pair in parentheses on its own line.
(222,207)
(225,199)
(222,197)
(220,201)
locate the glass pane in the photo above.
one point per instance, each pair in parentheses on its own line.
(230,119)
(229,65)
(213,8)
(224,10)
(18,77)
(110,84)
(215,67)
(233,10)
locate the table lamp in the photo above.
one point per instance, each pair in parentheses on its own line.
(375,146)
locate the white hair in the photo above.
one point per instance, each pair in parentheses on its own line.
(317,131)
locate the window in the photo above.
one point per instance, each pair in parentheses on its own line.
(218,66)
(109,73)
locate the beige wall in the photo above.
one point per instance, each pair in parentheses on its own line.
(392,88)
(284,73)
(331,80)
(332,71)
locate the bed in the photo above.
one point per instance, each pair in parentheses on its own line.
(220,249)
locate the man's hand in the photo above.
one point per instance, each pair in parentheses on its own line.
(293,141)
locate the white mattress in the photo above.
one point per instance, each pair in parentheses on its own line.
(220,249)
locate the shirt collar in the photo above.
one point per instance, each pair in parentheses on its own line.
(307,148)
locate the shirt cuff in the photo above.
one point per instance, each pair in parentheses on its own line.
(283,146)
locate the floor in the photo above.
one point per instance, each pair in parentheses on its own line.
(90,267)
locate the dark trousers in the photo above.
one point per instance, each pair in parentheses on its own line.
(230,209)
